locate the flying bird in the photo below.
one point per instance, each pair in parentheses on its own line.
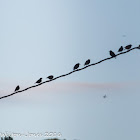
(17,88)
(120,49)
(39,81)
(112,53)
(104,96)
(50,77)
(76,66)
(128,47)
(87,62)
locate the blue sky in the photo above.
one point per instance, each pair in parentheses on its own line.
(43,37)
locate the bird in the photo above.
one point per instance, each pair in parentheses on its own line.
(128,47)
(112,53)
(17,88)
(38,81)
(76,66)
(104,96)
(50,77)
(87,62)
(120,49)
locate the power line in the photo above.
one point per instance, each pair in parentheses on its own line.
(68,73)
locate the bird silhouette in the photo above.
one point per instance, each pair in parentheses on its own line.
(104,96)
(76,66)
(50,77)
(17,88)
(87,62)
(38,81)
(128,47)
(120,49)
(112,54)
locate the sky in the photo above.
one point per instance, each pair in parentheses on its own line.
(48,37)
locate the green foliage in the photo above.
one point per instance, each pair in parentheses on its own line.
(54,139)
(7,138)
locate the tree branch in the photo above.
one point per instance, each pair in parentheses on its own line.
(67,73)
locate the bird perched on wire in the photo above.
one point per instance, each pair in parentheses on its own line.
(112,54)
(128,47)
(87,62)
(38,81)
(17,88)
(50,77)
(120,49)
(76,66)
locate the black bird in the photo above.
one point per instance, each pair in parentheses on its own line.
(139,47)
(76,66)
(17,88)
(120,49)
(87,62)
(50,77)
(39,81)
(112,53)
(104,96)
(128,47)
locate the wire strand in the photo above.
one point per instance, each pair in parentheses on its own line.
(67,73)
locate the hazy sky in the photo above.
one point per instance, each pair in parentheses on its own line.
(43,37)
